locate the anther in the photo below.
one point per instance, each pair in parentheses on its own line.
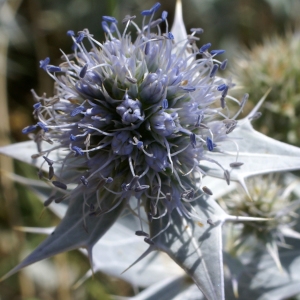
(109,180)
(77,150)
(155,7)
(109,19)
(210,222)
(44,63)
(214,70)
(131,79)
(49,161)
(169,197)
(164,15)
(227,176)
(83,71)
(217,52)
(235,164)
(70,33)
(42,125)
(204,48)
(128,18)
(53,69)
(84,181)
(223,102)
(150,217)
(197,30)
(80,38)
(29,129)
(207,191)
(193,140)
(49,201)
(222,87)
(165,104)
(141,233)
(170,36)
(51,172)
(209,144)
(223,65)
(59,184)
(148,241)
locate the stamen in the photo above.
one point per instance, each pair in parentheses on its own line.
(207,191)
(59,184)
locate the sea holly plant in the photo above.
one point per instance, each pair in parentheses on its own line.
(140,127)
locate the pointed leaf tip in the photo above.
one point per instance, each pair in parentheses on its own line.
(178,29)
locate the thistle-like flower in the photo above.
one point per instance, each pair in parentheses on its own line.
(133,118)
(270,200)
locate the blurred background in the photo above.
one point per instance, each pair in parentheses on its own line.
(261,38)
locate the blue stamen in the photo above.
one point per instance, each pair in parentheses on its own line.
(44,63)
(193,140)
(217,52)
(165,104)
(48,160)
(197,30)
(80,38)
(155,7)
(70,33)
(84,181)
(209,144)
(43,126)
(29,129)
(109,19)
(140,144)
(105,26)
(223,65)
(170,36)
(37,105)
(204,47)
(77,110)
(72,137)
(188,88)
(77,150)
(59,184)
(83,71)
(53,69)
(164,15)
(221,87)
(146,12)
(214,70)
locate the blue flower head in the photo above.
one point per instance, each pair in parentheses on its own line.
(134,118)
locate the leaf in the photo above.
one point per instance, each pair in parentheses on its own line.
(259,153)
(267,282)
(178,29)
(116,250)
(164,290)
(23,151)
(74,231)
(196,246)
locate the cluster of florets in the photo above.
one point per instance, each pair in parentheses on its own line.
(269,200)
(134,118)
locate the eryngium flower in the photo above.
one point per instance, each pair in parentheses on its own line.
(133,118)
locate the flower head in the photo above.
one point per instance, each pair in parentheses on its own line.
(134,118)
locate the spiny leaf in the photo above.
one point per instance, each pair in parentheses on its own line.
(196,246)
(25,150)
(259,153)
(76,230)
